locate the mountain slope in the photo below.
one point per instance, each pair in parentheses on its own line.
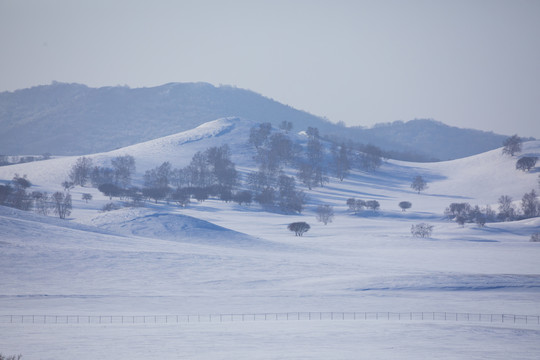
(73,119)
(479,179)
(178,149)
(431,137)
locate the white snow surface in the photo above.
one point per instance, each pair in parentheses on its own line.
(218,258)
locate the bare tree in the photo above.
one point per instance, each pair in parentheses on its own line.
(41,202)
(123,170)
(512,145)
(342,165)
(311,170)
(159,176)
(325,214)
(62,204)
(86,197)
(530,204)
(507,212)
(421,230)
(221,167)
(289,198)
(286,126)
(81,171)
(258,135)
(419,184)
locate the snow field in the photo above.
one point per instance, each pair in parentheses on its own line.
(214,257)
(274,340)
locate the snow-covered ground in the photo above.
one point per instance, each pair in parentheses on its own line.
(218,258)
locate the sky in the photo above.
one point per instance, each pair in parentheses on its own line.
(472,64)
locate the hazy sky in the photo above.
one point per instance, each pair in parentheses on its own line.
(466,63)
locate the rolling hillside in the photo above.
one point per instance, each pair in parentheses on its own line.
(214,257)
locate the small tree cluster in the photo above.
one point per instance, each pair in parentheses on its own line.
(535,237)
(120,173)
(11,357)
(281,192)
(530,207)
(11,160)
(465,213)
(109,207)
(15,193)
(422,230)
(299,228)
(286,126)
(526,163)
(369,158)
(357,205)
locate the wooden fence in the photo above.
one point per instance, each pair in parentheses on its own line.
(285,316)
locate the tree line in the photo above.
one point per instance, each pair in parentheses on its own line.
(16,194)
(462,213)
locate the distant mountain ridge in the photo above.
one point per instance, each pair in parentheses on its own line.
(74,119)
(431,138)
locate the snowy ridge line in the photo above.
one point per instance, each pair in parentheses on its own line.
(284,316)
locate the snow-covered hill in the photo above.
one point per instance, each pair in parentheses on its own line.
(178,149)
(216,257)
(73,119)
